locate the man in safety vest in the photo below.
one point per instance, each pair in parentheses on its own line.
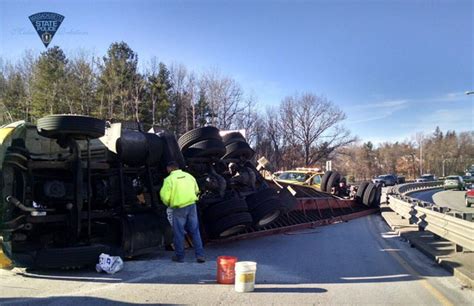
(179,192)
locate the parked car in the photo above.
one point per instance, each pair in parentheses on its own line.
(453,182)
(469,196)
(386,180)
(426,178)
(468,179)
(400,179)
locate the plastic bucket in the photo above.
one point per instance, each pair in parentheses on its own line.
(245,276)
(225,269)
(5,262)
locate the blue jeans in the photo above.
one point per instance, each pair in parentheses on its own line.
(186,220)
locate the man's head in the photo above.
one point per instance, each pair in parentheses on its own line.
(171,166)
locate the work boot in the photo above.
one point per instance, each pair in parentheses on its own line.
(200,259)
(177,259)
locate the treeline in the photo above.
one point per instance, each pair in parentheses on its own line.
(303,130)
(114,88)
(439,153)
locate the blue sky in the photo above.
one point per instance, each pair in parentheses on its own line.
(395,67)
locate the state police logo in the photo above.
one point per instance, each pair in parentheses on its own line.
(46,25)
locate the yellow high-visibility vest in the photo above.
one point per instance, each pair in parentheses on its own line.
(179,189)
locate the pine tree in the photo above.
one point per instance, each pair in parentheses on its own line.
(202,109)
(14,97)
(49,90)
(118,72)
(163,86)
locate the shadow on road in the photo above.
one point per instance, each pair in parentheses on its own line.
(290,290)
(341,253)
(67,300)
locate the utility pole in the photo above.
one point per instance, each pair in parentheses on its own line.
(421,156)
(444,160)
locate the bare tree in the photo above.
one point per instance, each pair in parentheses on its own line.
(152,74)
(82,87)
(275,133)
(224,96)
(248,119)
(26,66)
(137,93)
(312,123)
(178,76)
(191,97)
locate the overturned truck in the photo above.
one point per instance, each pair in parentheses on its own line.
(73,187)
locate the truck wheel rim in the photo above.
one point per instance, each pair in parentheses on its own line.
(232,230)
(269,218)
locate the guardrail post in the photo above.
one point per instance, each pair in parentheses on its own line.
(443,209)
(422,224)
(413,218)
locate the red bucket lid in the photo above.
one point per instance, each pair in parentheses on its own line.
(227,258)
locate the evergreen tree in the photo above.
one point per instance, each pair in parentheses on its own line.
(163,86)
(202,109)
(49,86)
(14,97)
(118,72)
(156,105)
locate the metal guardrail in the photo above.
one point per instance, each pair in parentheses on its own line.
(456,230)
(411,187)
(444,222)
(403,192)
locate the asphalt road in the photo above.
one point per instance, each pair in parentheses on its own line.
(450,198)
(358,262)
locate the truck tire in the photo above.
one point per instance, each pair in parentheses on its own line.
(239,150)
(225,208)
(155,149)
(324,180)
(267,212)
(255,199)
(369,195)
(205,148)
(171,151)
(289,200)
(78,127)
(378,195)
(333,181)
(233,137)
(132,148)
(197,135)
(229,225)
(360,192)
